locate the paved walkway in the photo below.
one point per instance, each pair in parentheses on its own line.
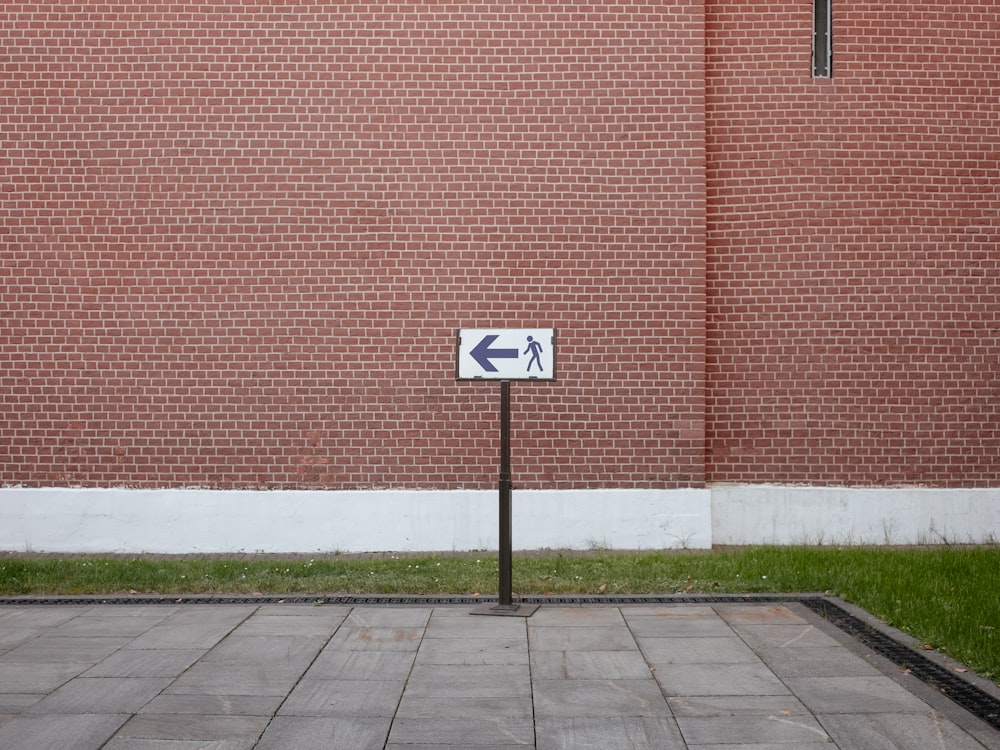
(297,677)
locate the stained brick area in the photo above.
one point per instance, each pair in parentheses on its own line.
(238,240)
(853,262)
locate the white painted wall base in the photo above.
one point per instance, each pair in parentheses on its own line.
(205,521)
(775,514)
(191,521)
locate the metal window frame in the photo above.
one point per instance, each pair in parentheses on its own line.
(822,46)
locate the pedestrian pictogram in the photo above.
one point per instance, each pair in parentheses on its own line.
(536,353)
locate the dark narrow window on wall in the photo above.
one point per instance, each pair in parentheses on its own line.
(822,62)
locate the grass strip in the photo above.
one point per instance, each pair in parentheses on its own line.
(942,595)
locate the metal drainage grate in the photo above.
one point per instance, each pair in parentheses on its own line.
(385,600)
(963,693)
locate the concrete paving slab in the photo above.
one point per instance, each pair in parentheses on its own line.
(214,705)
(362,665)
(485,709)
(737,705)
(27,677)
(162,610)
(661,651)
(165,636)
(670,611)
(101,695)
(589,665)
(200,626)
(461,611)
(785,636)
(598,698)
(473,651)
(293,651)
(679,627)
(583,733)
(581,639)
(197,727)
(229,615)
(854,695)
(449,627)
(771,729)
(319,609)
(139,744)
(376,639)
(471,732)
(897,732)
(718,679)
(324,733)
(815,662)
(12,637)
(759,614)
(80,732)
(232,679)
(436,746)
(16,703)
(345,698)
(89,624)
(38,619)
(389,617)
(580,617)
(149,663)
(285,625)
(49,649)
(464,681)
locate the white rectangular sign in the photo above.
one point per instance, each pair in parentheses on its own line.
(506,354)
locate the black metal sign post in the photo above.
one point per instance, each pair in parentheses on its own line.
(506,485)
(506,604)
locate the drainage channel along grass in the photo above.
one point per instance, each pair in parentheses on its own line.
(943,595)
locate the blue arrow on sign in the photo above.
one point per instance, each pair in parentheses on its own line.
(483,354)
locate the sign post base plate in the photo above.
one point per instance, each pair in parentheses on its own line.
(506,610)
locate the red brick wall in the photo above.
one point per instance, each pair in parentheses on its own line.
(853,264)
(238,240)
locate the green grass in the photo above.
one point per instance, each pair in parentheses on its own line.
(944,595)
